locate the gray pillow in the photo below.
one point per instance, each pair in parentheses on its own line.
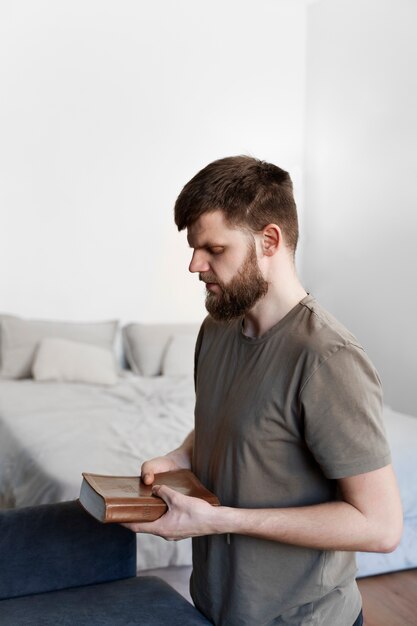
(3,316)
(179,356)
(20,338)
(146,344)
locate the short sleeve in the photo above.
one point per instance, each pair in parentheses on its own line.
(341,407)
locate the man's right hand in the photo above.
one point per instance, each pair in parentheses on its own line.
(157,465)
(175,460)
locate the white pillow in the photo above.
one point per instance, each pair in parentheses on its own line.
(63,360)
(179,356)
(20,338)
(146,344)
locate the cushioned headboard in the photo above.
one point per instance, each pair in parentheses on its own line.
(20,339)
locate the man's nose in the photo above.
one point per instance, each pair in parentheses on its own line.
(198,263)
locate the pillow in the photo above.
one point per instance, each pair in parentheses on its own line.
(20,338)
(179,356)
(70,361)
(145,344)
(3,316)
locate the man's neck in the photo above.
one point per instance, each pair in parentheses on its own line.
(272,308)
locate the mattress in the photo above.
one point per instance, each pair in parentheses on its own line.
(51,432)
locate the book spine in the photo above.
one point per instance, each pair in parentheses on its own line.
(134,513)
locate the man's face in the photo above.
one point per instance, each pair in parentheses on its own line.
(226,261)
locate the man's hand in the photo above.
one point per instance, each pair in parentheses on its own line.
(157,465)
(180,458)
(185,517)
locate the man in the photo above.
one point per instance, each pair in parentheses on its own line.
(288,430)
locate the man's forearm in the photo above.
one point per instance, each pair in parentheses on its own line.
(328,526)
(368,517)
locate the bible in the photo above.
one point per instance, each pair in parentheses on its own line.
(128,499)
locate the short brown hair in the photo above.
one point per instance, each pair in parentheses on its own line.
(249,192)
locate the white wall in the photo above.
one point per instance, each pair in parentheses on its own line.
(360,252)
(107,109)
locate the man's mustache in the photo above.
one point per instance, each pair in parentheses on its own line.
(207,278)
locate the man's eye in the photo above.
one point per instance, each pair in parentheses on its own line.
(216,250)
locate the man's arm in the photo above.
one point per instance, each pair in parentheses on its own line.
(180,458)
(369,517)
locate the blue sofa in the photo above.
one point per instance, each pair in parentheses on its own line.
(60,566)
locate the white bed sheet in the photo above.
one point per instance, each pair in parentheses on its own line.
(52,432)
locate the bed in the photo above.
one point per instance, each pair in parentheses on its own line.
(118,416)
(53,430)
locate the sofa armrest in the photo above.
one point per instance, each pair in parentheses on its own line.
(55,546)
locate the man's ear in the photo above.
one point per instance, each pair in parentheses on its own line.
(271,239)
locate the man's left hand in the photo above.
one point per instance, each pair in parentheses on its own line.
(185,517)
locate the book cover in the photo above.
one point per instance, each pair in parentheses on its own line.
(128,499)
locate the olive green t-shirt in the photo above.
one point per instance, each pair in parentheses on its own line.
(277,420)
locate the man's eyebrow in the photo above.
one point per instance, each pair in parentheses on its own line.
(206,244)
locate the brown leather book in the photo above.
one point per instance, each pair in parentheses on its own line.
(128,499)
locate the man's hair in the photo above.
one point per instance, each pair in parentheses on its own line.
(249,192)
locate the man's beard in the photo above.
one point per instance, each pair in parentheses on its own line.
(240,294)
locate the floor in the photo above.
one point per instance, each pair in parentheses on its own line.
(388,600)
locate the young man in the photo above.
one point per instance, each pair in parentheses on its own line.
(288,429)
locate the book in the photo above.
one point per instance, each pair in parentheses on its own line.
(128,499)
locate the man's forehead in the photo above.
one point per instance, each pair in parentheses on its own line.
(209,229)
